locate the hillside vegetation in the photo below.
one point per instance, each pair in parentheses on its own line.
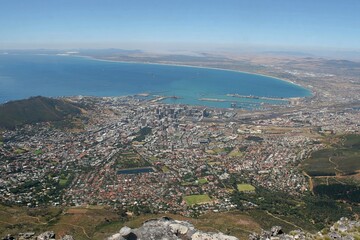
(339,159)
(34,110)
(99,222)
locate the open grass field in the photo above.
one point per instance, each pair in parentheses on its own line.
(165,169)
(202,180)
(64,180)
(243,187)
(199,181)
(224,151)
(235,153)
(197,199)
(38,152)
(128,158)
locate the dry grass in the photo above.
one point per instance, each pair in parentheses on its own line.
(98,223)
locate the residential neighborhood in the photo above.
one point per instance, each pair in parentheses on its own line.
(139,154)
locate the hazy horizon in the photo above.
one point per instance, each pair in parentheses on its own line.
(346,54)
(163,26)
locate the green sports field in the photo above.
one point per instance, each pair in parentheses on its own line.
(197,199)
(245,187)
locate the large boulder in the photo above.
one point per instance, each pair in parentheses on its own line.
(177,228)
(211,236)
(125,231)
(276,230)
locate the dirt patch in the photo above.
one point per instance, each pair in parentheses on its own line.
(244,222)
(77,211)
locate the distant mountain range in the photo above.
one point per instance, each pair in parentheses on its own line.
(82,51)
(288,53)
(34,110)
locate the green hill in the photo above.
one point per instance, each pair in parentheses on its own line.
(34,110)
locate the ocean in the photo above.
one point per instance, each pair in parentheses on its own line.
(23,76)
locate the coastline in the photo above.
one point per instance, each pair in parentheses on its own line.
(194,66)
(306,92)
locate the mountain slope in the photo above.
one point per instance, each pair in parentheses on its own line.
(34,110)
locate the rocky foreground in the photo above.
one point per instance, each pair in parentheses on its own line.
(49,235)
(344,229)
(166,228)
(169,229)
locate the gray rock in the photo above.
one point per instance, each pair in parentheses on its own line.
(26,235)
(276,233)
(334,235)
(49,235)
(254,236)
(342,228)
(348,238)
(8,237)
(116,236)
(211,236)
(167,229)
(125,231)
(177,228)
(265,234)
(67,237)
(276,230)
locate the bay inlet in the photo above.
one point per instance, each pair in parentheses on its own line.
(23,76)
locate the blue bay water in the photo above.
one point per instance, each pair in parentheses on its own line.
(22,76)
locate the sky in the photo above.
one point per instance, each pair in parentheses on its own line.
(180,24)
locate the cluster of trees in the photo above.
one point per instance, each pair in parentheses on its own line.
(54,187)
(349,193)
(320,211)
(142,134)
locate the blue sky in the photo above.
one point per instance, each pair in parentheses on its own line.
(180,24)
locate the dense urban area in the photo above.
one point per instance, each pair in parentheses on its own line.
(177,151)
